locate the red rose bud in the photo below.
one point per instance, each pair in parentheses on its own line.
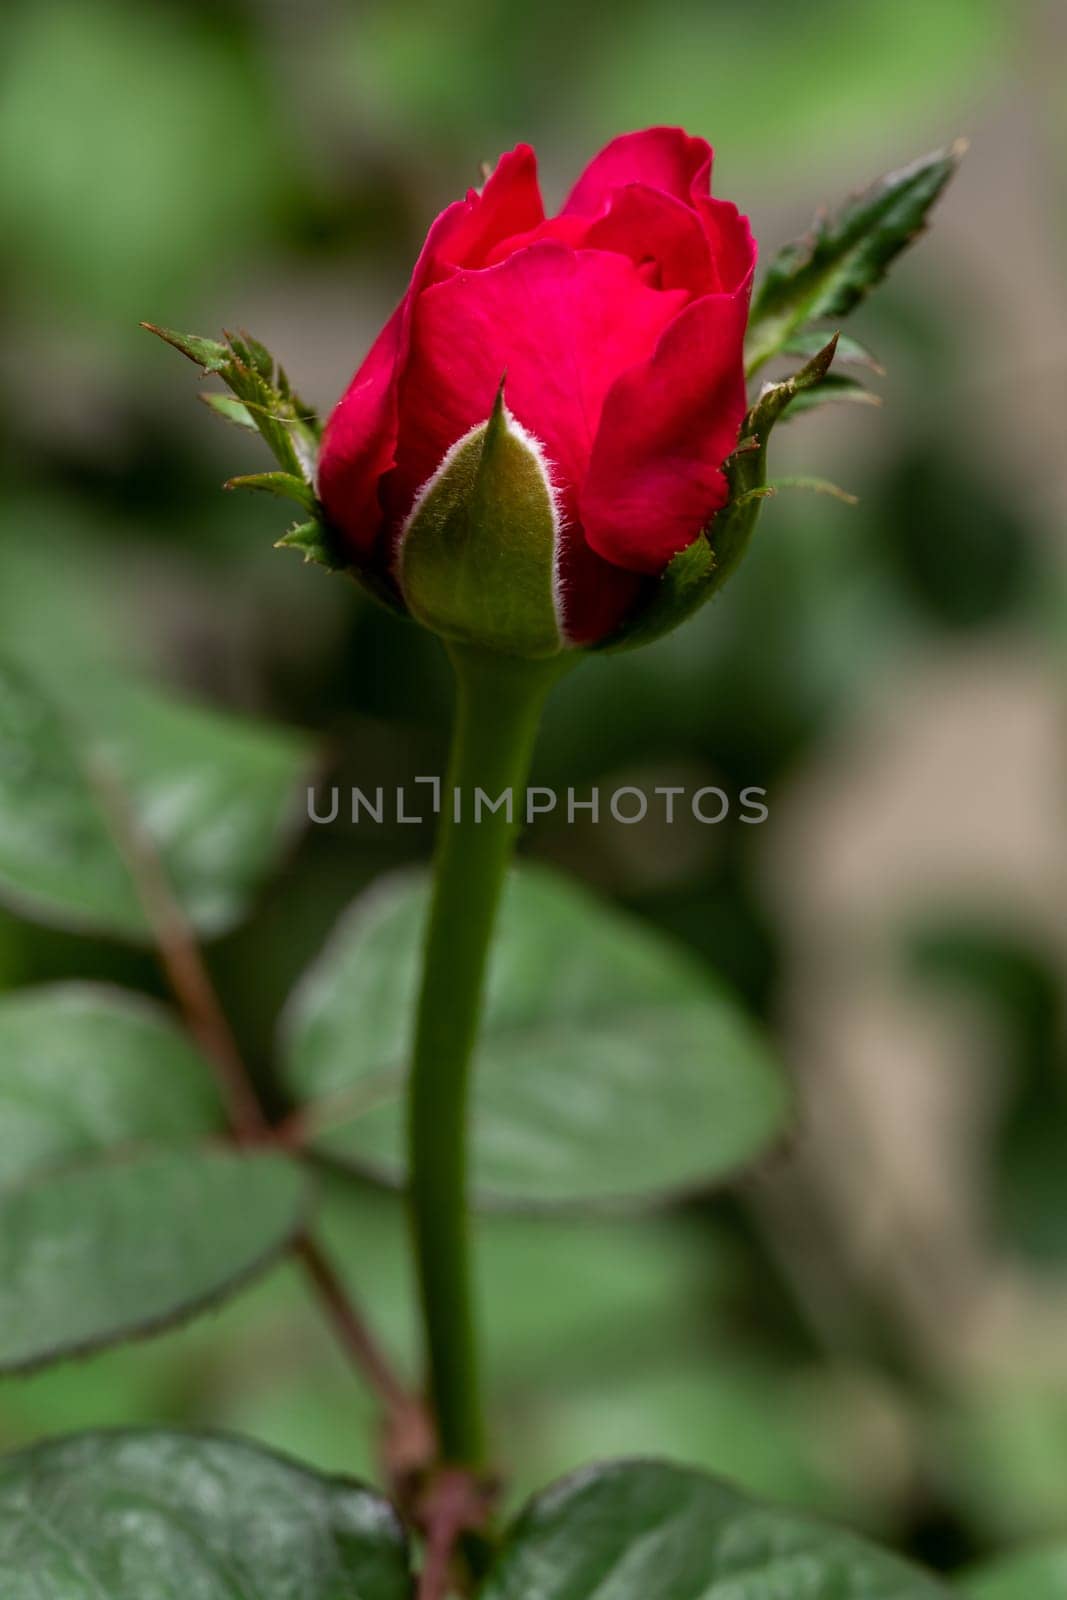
(542,424)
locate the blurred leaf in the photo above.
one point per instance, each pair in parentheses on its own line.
(849,351)
(121,1249)
(183,1375)
(1039,1574)
(229,409)
(719,1409)
(651,1531)
(835,386)
(814,486)
(566,1304)
(158,1516)
(601,1336)
(217,798)
(623,1286)
(827,273)
(84,1068)
(610,1066)
(1001,1454)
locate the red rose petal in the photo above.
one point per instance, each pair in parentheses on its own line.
(667,426)
(509,204)
(663,158)
(360,436)
(359,440)
(729,236)
(649,225)
(561,324)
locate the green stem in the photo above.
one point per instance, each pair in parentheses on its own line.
(498,710)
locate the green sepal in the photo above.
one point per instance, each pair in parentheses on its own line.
(317,542)
(207,353)
(287,425)
(699,570)
(314,542)
(827,273)
(283,484)
(746,469)
(230,410)
(477,559)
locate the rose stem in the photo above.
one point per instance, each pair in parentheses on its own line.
(498,710)
(187,975)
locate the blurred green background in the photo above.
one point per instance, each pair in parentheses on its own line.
(876,1323)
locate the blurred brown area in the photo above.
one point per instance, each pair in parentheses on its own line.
(876,1324)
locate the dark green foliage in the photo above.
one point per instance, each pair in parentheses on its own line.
(826,274)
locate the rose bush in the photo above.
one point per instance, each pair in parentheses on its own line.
(547,447)
(617,329)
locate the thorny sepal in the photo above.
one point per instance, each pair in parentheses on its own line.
(312,539)
(261,398)
(289,427)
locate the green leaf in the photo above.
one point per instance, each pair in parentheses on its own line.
(478,557)
(283,484)
(230,410)
(172,1516)
(814,486)
(216,797)
(1002,1454)
(850,352)
(645,1530)
(611,1067)
(84,1068)
(826,274)
(1036,1574)
(120,1249)
(835,386)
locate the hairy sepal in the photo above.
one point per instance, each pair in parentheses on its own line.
(478,555)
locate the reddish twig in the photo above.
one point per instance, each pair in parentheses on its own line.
(181,959)
(409,1442)
(455,1510)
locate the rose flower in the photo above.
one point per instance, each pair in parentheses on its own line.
(609,340)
